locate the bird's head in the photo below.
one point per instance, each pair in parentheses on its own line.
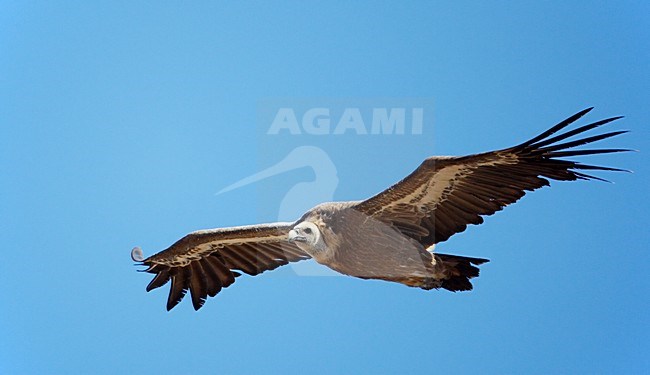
(308,237)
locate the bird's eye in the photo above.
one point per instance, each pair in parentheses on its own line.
(308,230)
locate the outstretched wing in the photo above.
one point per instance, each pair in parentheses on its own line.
(445,194)
(208,260)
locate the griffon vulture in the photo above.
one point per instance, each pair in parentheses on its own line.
(389,236)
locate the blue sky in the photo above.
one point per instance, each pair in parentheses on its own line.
(119,123)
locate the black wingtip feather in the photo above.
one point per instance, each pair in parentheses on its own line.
(198,285)
(561,154)
(556,128)
(583,141)
(179,287)
(584,176)
(599,168)
(573,132)
(161,278)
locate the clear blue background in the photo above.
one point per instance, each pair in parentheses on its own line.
(119,122)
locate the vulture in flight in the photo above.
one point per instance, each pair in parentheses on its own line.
(389,236)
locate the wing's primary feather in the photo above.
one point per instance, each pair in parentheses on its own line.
(445,194)
(204,262)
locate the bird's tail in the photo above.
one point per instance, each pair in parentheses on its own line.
(457,270)
(451,272)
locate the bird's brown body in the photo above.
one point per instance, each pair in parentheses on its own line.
(383,252)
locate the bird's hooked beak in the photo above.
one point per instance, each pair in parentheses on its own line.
(295,235)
